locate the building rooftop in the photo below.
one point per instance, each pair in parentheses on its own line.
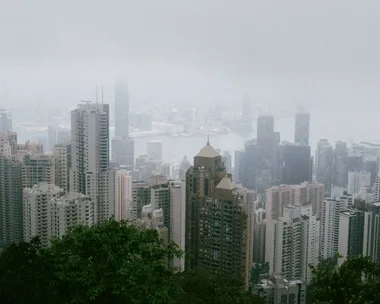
(208,151)
(226,184)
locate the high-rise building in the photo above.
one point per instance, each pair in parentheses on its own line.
(371,238)
(36,207)
(153,219)
(117,191)
(10,201)
(330,217)
(302,127)
(288,254)
(294,164)
(277,198)
(351,234)
(37,169)
(217,224)
(177,211)
(123,152)
(324,165)
(154,148)
(371,165)
(52,137)
(237,163)
(5,145)
(340,169)
(311,193)
(5,121)
(63,135)
(121,109)
(62,164)
(259,237)
(140,198)
(89,150)
(356,180)
(266,153)
(227,160)
(160,198)
(184,166)
(69,211)
(248,167)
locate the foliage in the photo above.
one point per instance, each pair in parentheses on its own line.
(355,281)
(256,271)
(203,286)
(113,262)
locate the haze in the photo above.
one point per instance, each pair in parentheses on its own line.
(322,54)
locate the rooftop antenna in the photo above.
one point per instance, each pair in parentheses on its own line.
(102,96)
(208,139)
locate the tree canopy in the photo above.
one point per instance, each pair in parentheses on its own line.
(356,281)
(113,262)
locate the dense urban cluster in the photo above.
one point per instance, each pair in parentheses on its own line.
(268,218)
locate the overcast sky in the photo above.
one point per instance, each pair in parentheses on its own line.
(320,53)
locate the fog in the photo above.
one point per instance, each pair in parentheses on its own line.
(322,54)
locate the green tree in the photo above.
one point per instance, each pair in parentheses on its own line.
(113,262)
(356,281)
(203,287)
(256,271)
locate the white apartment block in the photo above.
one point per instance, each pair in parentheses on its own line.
(61,158)
(117,191)
(289,250)
(5,145)
(68,211)
(36,208)
(89,150)
(153,219)
(358,179)
(311,192)
(177,211)
(277,198)
(313,238)
(330,217)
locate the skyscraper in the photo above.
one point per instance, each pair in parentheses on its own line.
(36,207)
(330,217)
(184,166)
(89,150)
(217,225)
(340,170)
(178,216)
(324,164)
(5,121)
(356,180)
(294,164)
(227,160)
(36,169)
(61,162)
(121,109)
(351,234)
(11,201)
(288,254)
(266,153)
(237,162)
(302,126)
(248,167)
(68,211)
(123,152)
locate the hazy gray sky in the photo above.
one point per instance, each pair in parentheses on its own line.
(319,53)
